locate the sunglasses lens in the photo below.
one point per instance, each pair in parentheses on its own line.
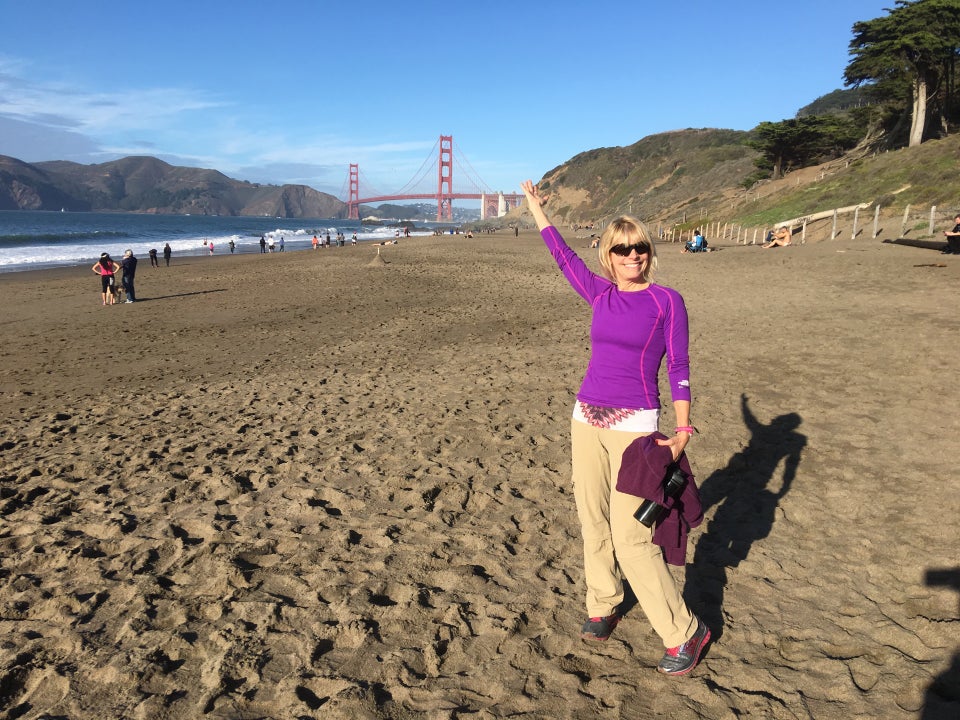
(625,250)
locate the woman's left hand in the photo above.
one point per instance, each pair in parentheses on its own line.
(676,444)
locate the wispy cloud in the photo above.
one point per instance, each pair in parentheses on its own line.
(56,104)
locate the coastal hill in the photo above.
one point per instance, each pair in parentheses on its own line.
(149,185)
(690,177)
(659,174)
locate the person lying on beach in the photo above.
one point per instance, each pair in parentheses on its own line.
(635,324)
(780,238)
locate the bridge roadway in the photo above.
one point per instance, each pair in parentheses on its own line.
(490,205)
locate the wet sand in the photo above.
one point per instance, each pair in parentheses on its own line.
(316,484)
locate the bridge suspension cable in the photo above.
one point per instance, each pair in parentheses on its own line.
(421,174)
(472,175)
(492,204)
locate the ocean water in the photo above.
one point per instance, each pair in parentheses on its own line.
(33,240)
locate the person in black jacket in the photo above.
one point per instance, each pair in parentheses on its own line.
(129,267)
(953,238)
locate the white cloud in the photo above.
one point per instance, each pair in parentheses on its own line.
(100,115)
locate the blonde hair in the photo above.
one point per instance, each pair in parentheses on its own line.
(626,230)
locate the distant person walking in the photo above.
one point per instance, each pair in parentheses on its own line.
(107,269)
(152,252)
(281,243)
(263,245)
(232,246)
(211,247)
(129,265)
(167,252)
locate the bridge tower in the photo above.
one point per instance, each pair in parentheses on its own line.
(353,203)
(445,179)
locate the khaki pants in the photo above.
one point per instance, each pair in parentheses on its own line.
(615,545)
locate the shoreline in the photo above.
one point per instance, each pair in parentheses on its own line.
(291,247)
(38,240)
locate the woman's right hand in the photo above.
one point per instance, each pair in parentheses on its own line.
(532,193)
(535,202)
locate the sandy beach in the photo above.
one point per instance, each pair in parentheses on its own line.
(334,484)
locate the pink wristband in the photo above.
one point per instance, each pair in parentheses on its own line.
(688,429)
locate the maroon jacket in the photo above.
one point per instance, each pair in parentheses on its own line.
(642,472)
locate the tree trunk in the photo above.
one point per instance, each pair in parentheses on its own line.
(919,110)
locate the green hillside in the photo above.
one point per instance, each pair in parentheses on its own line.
(920,176)
(693,177)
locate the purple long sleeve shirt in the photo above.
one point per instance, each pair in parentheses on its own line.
(630,334)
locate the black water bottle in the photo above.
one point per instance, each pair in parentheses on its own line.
(649,512)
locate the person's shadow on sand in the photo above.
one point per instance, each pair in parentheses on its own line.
(942,699)
(745,508)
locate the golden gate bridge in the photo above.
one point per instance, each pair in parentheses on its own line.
(492,203)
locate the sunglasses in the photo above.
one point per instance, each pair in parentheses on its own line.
(625,250)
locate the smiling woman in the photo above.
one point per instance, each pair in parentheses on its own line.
(628,254)
(635,325)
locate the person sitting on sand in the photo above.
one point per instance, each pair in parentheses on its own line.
(635,324)
(780,238)
(107,269)
(953,238)
(698,244)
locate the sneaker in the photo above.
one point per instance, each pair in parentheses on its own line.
(128,302)
(681,660)
(599,628)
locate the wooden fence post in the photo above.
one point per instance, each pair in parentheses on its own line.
(903,225)
(833,232)
(856,217)
(876,222)
(754,237)
(933,218)
(803,233)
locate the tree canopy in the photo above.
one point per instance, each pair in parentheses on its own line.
(909,56)
(803,141)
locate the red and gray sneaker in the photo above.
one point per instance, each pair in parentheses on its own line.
(599,628)
(681,660)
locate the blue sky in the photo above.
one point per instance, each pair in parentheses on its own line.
(295,91)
